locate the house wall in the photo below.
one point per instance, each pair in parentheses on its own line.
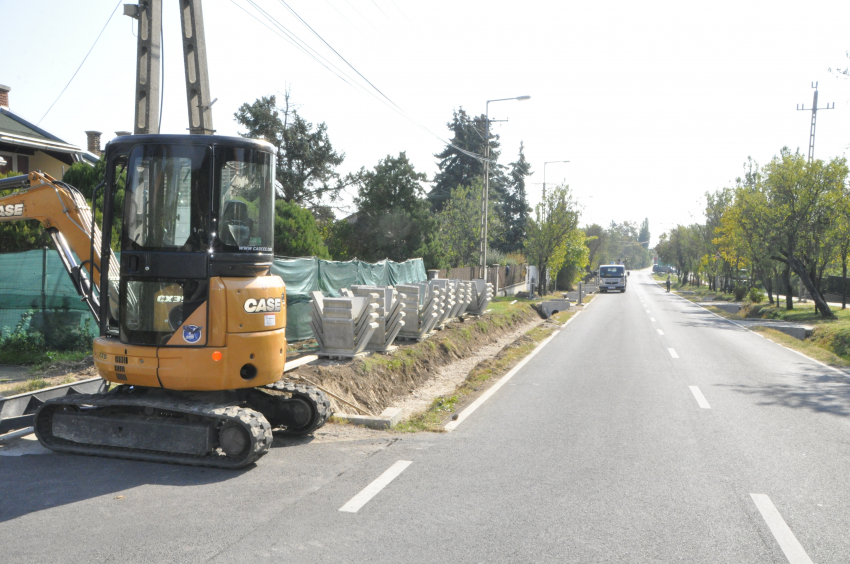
(48,164)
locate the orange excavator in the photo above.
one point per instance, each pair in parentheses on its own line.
(192,326)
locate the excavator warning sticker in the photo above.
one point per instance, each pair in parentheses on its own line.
(11,210)
(269,320)
(262,305)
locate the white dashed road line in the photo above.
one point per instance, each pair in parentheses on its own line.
(372,489)
(700,398)
(673,353)
(652,319)
(660,332)
(789,544)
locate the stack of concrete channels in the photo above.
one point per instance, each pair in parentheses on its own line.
(444,291)
(482,293)
(421,304)
(343,326)
(458,297)
(390,312)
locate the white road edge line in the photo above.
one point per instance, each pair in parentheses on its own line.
(370,491)
(789,544)
(834,369)
(701,401)
(660,332)
(452,425)
(673,353)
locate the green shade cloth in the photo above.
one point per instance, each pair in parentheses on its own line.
(305,275)
(21,276)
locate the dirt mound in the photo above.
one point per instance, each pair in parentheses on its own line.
(380,381)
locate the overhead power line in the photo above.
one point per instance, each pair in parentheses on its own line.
(322,39)
(81,64)
(300,44)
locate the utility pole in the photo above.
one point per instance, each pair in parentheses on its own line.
(149,14)
(148,66)
(486,196)
(195,62)
(814,110)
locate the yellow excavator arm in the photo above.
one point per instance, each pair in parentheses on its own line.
(65,214)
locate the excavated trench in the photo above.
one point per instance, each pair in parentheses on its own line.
(415,372)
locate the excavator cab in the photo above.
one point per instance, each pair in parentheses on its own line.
(193,230)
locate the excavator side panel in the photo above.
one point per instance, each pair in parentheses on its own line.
(126,364)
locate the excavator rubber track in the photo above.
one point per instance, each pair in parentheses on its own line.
(317,399)
(154,427)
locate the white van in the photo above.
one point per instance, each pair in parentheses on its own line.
(612,277)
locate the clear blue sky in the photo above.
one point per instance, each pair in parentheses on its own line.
(653,102)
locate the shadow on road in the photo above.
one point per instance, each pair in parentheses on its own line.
(817,390)
(703,318)
(37,482)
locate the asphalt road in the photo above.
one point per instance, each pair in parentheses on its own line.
(647,430)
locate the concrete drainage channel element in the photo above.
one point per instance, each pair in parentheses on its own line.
(18,412)
(388,419)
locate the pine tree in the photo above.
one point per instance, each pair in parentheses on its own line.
(515,209)
(460,169)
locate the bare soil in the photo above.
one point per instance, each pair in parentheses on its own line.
(413,375)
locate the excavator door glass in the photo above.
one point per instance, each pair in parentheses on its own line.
(164,278)
(167,204)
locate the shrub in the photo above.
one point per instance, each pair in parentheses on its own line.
(31,343)
(755,295)
(740,291)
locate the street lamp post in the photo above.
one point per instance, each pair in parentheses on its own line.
(485,200)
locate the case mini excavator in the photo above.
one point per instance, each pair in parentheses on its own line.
(192,325)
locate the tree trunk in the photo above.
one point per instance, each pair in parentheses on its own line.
(843,280)
(789,292)
(768,285)
(820,304)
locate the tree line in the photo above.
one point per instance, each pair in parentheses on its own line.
(787,221)
(400,213)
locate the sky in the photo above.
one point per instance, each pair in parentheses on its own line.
(654,103)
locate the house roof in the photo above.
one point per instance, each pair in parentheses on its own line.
(18,133)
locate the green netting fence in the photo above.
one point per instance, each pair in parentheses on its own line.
(33,280)
(304,275)
(36,281)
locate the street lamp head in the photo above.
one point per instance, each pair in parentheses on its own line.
(523,98)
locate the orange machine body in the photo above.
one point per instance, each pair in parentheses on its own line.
(243,325)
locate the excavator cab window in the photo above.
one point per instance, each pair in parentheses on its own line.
(246,200)
(166,206)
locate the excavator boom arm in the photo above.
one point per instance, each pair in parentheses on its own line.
(65,214)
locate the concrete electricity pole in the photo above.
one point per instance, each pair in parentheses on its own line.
(149,65)
(814,109)
(486,196)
